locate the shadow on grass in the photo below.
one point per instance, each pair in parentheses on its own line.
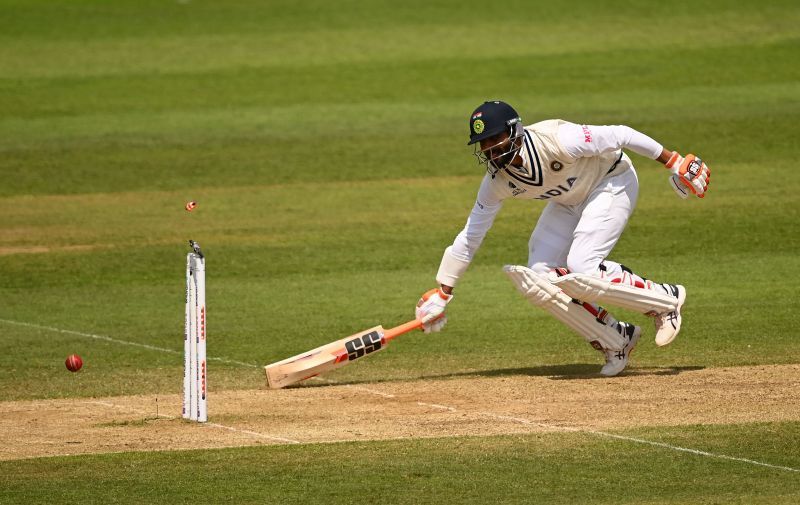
(567,372)
(576,371)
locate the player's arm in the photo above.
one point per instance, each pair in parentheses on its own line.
(580,140)
(458,256)
(688,174)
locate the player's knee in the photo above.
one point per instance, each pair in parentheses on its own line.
(541,268)
(583,265)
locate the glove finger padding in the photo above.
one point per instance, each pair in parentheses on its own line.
(705,179)
(435,325)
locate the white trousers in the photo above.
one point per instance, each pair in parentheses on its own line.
(581,236)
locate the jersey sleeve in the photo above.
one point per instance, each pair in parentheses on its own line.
(480,220)
(582,141)
(458,256)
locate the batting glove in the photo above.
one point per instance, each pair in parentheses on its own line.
(689,172)
(430,310)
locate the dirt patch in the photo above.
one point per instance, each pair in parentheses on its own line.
(471,405)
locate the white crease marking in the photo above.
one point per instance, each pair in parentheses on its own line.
(571,429)
(436,406)
(118,341)
(253,433)
(212,425)
(370,391)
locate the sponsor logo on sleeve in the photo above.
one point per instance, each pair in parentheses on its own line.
(587,133)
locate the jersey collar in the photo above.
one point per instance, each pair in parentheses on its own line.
(530,161)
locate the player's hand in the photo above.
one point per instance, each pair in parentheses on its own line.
(430,310)
(691,172)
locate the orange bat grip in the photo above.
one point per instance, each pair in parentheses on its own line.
(403,328)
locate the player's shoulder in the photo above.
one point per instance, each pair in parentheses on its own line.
(493,188)
(546,125)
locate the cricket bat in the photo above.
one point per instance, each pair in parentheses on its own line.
(334,355)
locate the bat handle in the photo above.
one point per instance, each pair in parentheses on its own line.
(403,328)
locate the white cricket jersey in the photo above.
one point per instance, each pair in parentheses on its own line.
(562,162)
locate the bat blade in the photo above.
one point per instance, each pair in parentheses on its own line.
(332,356)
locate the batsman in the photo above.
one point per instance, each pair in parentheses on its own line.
(590,188)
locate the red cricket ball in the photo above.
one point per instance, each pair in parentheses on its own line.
(191,205)
(73,362)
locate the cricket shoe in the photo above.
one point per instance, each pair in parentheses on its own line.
(668,324)
(616,361)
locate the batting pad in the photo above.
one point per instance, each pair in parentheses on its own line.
(542,293)
(594,289)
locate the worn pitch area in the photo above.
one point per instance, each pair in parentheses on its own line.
(471,405)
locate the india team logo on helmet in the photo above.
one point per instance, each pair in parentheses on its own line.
(477,123)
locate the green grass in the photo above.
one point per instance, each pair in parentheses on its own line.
(327,155)
(542,468)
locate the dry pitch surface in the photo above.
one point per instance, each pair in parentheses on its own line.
(330,412)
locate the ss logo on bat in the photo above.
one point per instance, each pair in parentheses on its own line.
(362,345)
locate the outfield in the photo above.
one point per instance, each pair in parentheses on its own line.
(325,145)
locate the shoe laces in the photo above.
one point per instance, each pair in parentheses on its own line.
(662,319)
